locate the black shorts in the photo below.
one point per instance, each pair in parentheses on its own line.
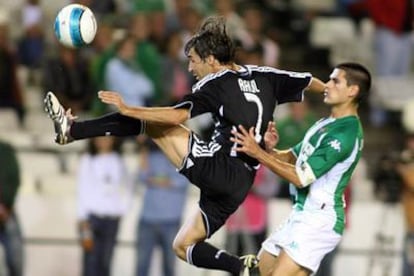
(224,181)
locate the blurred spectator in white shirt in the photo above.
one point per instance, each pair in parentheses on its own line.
(124,75)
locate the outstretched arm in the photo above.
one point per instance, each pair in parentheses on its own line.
(159,115)
(316,86)
(277,161)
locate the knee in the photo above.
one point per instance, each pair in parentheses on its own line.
(180,249)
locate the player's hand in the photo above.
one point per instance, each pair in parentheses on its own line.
(246,140)
(69,115)
(271,136)
(87,244)
(86,236)
(113,98)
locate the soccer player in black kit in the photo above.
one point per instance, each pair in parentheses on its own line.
(235,95)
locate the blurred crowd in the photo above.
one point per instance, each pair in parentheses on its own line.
(141,43)
(138,52)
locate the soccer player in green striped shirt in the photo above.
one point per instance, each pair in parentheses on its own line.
(319,169)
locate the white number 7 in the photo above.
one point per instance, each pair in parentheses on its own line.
(255,99)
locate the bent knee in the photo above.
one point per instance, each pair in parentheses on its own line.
(180,249)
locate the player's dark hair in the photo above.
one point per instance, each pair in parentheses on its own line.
(212,39)
(357,74)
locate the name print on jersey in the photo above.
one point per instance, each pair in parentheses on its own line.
(248,86)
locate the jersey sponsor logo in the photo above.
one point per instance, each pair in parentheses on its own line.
(248,86)
(336,145)
(307,151)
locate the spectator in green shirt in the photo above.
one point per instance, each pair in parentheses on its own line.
(291,130)
(10,235)
(147,55)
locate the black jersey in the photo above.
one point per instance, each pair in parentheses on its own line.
(247,97)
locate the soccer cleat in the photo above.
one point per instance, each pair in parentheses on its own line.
(61,121)
(249,262)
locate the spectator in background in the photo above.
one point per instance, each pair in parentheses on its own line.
(235,25)
(174,17)
(10,235)
(355,9)
(247,227)
(292,128)
(147,6)
(103,7)
(190,21)
(147,55)
(393,45)
(291,131)
(158,30)
(11,95)
(387,181)
(67,74)
(406,171)
(162,208)
(103,49)
(393,42)
(3,264)
(124,75)
(254,20)
(104,196)
(31,44)
(176,79)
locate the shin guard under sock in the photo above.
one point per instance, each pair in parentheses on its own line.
(205,255)
(114,124)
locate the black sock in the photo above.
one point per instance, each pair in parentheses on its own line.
(207,256)
(114,124)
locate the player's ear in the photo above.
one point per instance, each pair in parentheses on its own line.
(210,60)
(353,90)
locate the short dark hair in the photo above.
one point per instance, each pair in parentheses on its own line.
(212,39)
(357,74)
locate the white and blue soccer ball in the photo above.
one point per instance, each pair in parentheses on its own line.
(75,26)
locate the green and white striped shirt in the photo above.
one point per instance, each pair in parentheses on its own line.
(326,159)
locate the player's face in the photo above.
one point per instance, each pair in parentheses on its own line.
(337,90)
(196,66)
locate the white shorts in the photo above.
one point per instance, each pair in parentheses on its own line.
(306,236)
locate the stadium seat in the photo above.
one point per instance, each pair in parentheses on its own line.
(326,31)
(392,93)
(8,120)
